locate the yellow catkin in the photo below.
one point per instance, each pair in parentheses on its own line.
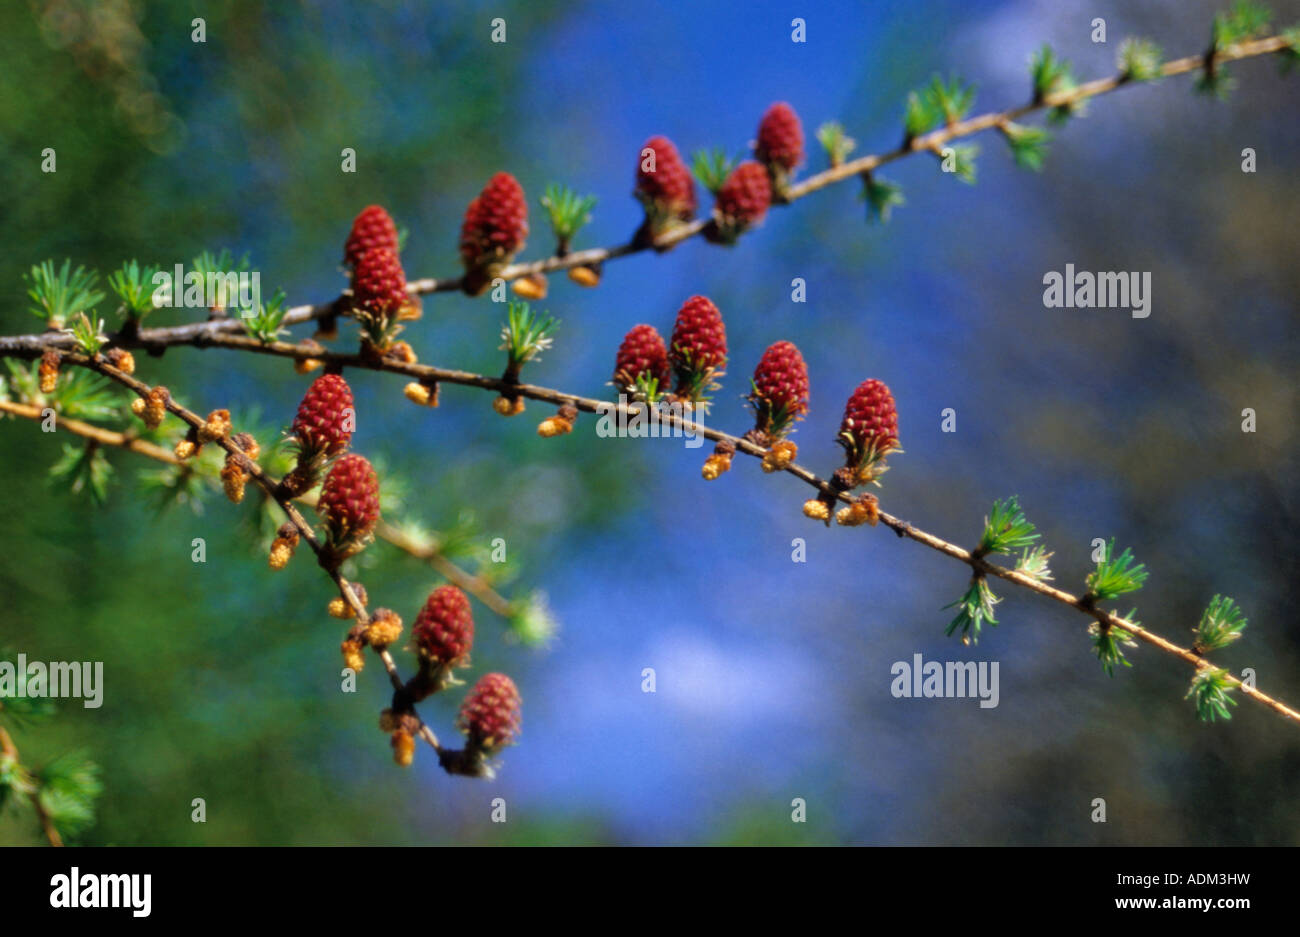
(861,511)
(155,409)
(306,365)
(420,394)
(49,371)
(584,276)
(233,479)
(554,426)
(121,359)
(247,444)
(403,747)
(715,465)
(816,509)
(353,659)
(216,426)
(507,407)
(385,628)
(281,553)
(403,353)
(779,457)
(532,286)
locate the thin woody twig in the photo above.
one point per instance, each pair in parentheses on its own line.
(9,749)
(978,563)
(223,333)
(100,435)
(195,333)
(475,585)
(996,119)
(272,488)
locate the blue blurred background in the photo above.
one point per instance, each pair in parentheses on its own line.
(772,676)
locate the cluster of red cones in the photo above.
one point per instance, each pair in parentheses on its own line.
(682,371)
(443,634)
(495,226)
(666,189)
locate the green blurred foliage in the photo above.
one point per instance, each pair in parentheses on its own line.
(212,695)
(225,688)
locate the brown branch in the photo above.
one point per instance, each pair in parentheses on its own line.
(271,486)
(476,585)
(100,435)
(995,119)
(10,750)
(156,339)
(741,444)
(219,333)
